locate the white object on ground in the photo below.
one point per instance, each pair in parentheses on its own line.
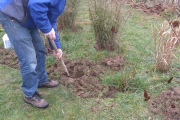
(7,43)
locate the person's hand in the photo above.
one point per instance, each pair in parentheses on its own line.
(58,55)
(51,35)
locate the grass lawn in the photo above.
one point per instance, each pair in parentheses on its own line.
(138,48)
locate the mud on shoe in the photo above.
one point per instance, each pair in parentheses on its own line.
(50,84)
(36,101)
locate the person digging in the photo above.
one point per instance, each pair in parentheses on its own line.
(22,20)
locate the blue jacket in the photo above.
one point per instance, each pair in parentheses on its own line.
(41,14)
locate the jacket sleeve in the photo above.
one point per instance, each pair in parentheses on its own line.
(40,11)
(57,40)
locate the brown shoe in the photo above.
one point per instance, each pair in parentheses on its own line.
(50,84)
(36,101)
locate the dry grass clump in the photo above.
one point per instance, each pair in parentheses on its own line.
(68,17)
(107,18)
(166,43)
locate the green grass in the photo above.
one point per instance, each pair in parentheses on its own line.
(138,48)
(64,105)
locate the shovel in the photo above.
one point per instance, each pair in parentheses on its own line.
(61,60)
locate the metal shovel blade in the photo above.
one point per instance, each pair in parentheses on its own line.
(61,60)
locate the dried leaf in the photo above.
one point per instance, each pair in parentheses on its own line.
(173,105)
(175,24)
(146,96)
(169,81)
(113,29)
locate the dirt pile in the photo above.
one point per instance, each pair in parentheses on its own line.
(167,104)
(9,58)
(84,80)
(156,9)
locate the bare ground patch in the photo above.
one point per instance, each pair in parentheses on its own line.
(167,104)
(84,79)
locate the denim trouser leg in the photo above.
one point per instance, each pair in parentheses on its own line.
(40,55)
(30,51)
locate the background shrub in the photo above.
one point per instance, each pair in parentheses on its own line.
(107,19)
(67,19)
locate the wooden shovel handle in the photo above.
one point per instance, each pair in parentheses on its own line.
(61,60)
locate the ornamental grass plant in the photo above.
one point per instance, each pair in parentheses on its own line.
(166,43)
(107,19)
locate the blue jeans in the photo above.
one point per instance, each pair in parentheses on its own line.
(30,50)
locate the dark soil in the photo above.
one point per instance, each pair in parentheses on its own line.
(167,104)
(153,10)
(84,79)
(9,58)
